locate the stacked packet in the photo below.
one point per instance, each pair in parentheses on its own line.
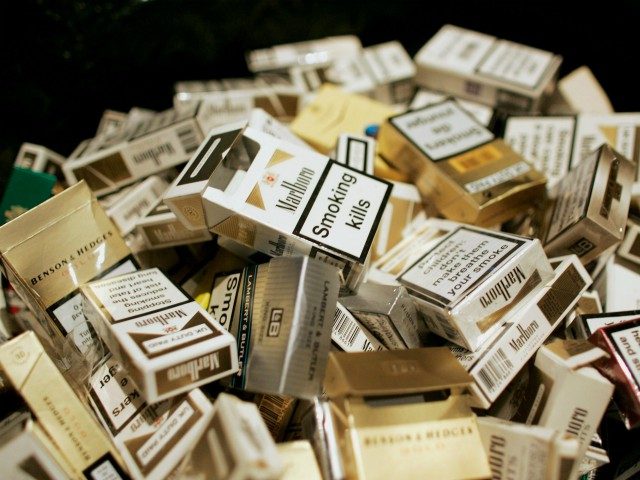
(353,264)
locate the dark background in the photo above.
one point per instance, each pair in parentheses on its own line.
(64,62)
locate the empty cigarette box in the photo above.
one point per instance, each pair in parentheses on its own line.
(526,451)
(26,450)
(525,329)
(160,228)
(590,211)
(579,92)
(619,130)
(554,144)
(283,200)
(384,72)
(356,151)
(136,203)
(465,284)
(281,314)
(298,461)
(85,451)
(236,104)
(587,324)
(621,341)
(320,51)
(110,122)
(142,149)
(393,70)
(152,438)
(547,142)
(459,166)
(384,426)
(236,444)
(404,254)
(75,243)
(166,341)
(40,159)
(184,197)
(481,67)
(334,111)
(566,393)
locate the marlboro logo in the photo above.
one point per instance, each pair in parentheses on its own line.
(210,366)
(525,334)
(502,288)
(162,319)
(294,190)
(192,369)
(576,424)
(497,446)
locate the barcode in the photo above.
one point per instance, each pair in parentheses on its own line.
(349,335)
(188,139)
(345,327)
(496,370)
(272,409)
(154,153)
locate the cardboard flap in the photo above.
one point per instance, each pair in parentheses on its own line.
(394,372)
(571,354)
(49,212)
